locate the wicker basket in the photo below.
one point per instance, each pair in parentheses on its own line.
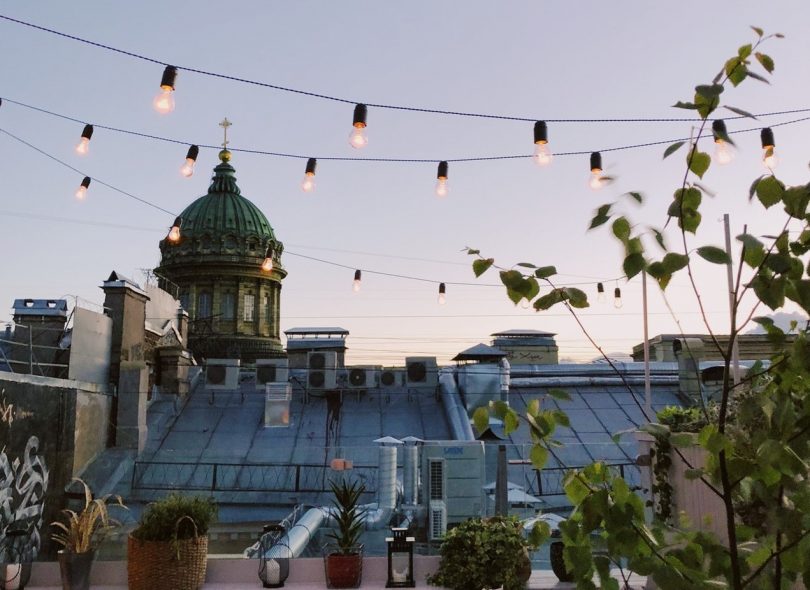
(167,565)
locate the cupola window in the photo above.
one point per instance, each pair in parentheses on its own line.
(204,305)
(249,310)
(227,306)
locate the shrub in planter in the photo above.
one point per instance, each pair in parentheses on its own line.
(169,549)
(344,556)
(484,553)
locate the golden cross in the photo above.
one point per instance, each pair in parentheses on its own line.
(225,124)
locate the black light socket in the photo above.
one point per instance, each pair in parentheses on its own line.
(87,132)
(311,164)
(596,161)
(360,113)
(540,132)
(600,288)
(178,222)
(617,293)
(270,252)
(169,78)
(766,135)
(357,275)
(442,171)
(86,182)
(442,289)
(192,153)
(719,130)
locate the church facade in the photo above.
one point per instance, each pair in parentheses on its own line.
(218,268)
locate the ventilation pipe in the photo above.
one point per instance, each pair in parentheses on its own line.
(410,482)
(453,408)
(689,352)
(378,516)
(293,543)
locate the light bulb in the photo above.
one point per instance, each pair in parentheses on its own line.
(769,158)
(188,168)
(617,298)
(81,193)
(164,101)
(267,265)
(83,146)
(723,152)
(308,184)
(600,292)
(595,181)
(542,155)
(356,283)
(441,187)
(174,232)
(358,138)
(442,294)
(525,303)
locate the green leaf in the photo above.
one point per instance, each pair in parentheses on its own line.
(673,262)
(769,191)
(766,61)
(481,265)
(659,238)
(621,228)
(526,265)
(633,264)
(709,91)
(796,200)
(698,162)
(744,51)
(735,70)
(512,279)
(472,252)
(510,422)
(481,419)
(713,254)
(538,456)
(753,250)
(601,216)
(799,291)
(576,297)
(636,196)
(499,409)
(685,105)
(758,31)
(740,112)
(756,76)
(545,272)
(673,148)
(548,300)
(558,394)
(770,290)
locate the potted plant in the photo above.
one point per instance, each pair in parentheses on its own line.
(169,548)
(344,556)
(484,553)
(80,534)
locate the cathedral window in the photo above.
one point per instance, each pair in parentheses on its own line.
(249,307)
(227,306)
(204,305)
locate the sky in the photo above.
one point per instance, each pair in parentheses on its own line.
(536,60)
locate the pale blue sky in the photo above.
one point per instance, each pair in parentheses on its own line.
(583,59)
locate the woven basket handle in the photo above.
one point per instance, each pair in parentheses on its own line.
(175,540)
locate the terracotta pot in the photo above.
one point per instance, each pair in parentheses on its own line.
(344,571)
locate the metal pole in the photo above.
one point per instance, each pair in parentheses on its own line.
(501,489)
(735,350)
(30,351)
(647,388)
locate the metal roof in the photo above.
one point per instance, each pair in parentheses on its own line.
(479,352)
(316,330)
(518,333)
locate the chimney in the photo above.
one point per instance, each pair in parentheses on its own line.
(527,347)
(689,353)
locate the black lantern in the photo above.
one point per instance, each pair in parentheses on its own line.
(15,559)
(400,560)
(274,557)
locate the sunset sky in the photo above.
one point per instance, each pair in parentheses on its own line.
(534,60)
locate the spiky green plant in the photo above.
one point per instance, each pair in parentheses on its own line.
(80,532)
(348,515)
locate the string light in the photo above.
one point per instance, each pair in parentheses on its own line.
(769,158)
(358,138)
(441,180)
(267,265)
(308,184)
(191,158)
(525,303)
(84,143)
(164,101)
(600,292)
(442,294)
(596,182)
(542,155)
(722,148)
(617,298)
(81,192)
(174,232)
(356,284)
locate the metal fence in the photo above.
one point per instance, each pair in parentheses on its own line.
(550,480)
(240,477)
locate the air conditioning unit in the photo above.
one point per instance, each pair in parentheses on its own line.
(421,371)
(453,472)
(437,520)
(271,371)
(363,377)
(322,370)
(222,374)
(390,378)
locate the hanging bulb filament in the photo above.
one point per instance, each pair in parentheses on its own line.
(164,101)
(596,181)
(358,138)
(442,294)
(356,283)
(84,143)
(769,157)
(441,180)
(267,264)
(174,232)
(308,184)
(191,158)
(542,155)
(81,192)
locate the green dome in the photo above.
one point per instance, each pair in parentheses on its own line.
(224,212)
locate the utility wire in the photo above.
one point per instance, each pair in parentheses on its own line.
(346,100)
(399,160)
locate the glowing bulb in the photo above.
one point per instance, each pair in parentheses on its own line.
(723,152)
(174,232)
(617,298)
(267,265)
(164,101)
(308,184)
(83,146)
(441,187)
(600,292)
(442,294)
(769,158)
(356,283)
(525,303)
(358,138)
(595,182)
(188,168)
(542,155)
(81,192)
